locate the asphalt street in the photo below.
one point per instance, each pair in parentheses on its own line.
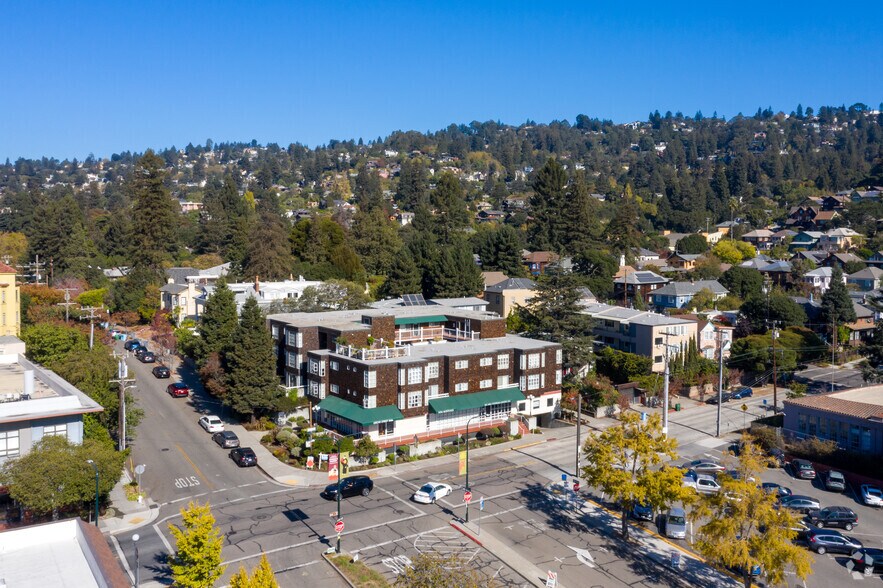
(819,379)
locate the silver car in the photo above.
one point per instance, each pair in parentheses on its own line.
(676,523)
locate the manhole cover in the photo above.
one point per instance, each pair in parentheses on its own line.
(261,517)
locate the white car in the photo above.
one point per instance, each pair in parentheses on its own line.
(431,492)
(871,495)
(211,423)
(702,483)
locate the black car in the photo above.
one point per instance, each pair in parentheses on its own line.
(132,344)
(826,540)
(835,482)
(642,512)
(772,487)
(834,516)
(868,557)
(777,457)
(244,457)
(352,486)
(725,397)
(147,357)
(226,439)
(161,372)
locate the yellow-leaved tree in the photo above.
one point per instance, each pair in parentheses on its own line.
(740,527)
(197,559)
(261,577)
(623,461)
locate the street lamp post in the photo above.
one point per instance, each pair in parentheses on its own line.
(339,471)
(135,539)
(467,460)
(95,467)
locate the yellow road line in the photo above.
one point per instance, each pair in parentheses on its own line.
(196,468)
(526,445)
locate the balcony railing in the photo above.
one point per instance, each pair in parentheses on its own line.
(366,354)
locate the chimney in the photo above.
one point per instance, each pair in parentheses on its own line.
(257,284)
(29,383)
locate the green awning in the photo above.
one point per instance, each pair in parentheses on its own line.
(475,400)
(363,416)
(421,320)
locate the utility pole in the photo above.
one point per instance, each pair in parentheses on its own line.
(665,389)
(775,335)
(833,346)
(579,423)
(91,310)
(123,380)
(67,303)
(720,375)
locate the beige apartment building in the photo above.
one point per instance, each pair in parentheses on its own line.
(503,297)
(10,306)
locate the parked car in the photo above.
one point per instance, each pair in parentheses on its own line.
(138,350)
(676,523)
(702,483)
(226,439)
(802,504)
(834,516)
(430,492)
(725,397)
(131,344)
(777,457)
(735,448)
(871,495)
(178,390)
(744,392)
(827,540)
(835,482)
(161,372)
(868,557)
(802,469)
(705,466)
(244,457)
(211,423)
(642,512)
(352,486)
(780,491)
(147,357)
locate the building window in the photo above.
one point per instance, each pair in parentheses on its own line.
(387,428)
(370,379)
(275,330)
(401,376)
(522,406)
(461,364)
(533,382)
(657,359)
(559,356)
(432,370)
(403,398)
(313,389)
(369,402)
(335,389)
(550,402)
(485,361)
(461,387)
(432,391)
(502,362)
(801,423)
(502,381)
(299,339)
(486,383)
(536,403)
(415,375)
(415,399)
(335,366)
(533,361)
(8,443)
(558,376)
(55,430)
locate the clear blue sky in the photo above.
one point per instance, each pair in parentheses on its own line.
(105,77)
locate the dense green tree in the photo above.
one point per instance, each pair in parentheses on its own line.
(621,367)
(269,254)
(548,230)
(837,307)
(404,276)
(450,215)
(499,248)
(217,323)
(624,231)
(694,243)
(597,268)
(154,216)
(413,186)
(778,307)
(331,295)
(252,387)
(369,192)
(742,281)
(555,314)
(48,344)
(454,273)
(376,239)
(582,217)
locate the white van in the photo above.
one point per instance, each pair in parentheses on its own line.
(676,524)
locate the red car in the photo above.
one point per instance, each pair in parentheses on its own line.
(178,390)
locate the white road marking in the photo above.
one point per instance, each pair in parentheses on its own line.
(402,500)
(122,558)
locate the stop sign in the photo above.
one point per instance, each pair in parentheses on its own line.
(467,496)
(338,526)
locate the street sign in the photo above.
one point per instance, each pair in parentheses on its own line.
(481,503)
(551,579)
(467,497)
(744,407)
(140,468)
(576,485)
(338,526)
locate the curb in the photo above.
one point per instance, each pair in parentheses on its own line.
(336,569)
(467,534)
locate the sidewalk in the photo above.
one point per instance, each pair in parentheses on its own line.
(132,514)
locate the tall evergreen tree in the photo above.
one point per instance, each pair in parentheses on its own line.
(624,232)
(450,214)
(837,307)
(582,220)
(454,273)
(252,385)
(547,232)
(217,322)
(155,215)
(376,240)
(269,252)
(413,185)
(499,249)
(404,276)
(368,192)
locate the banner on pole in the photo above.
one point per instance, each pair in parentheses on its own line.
(332,467)
(461,470)
(344,464)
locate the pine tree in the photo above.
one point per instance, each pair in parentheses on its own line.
(197,559)
(253,387)
(155,215)
(404,276)
(376,240)
(582,223)
(269,251)
(455,273)
(413,185)
(450,215)
(369,192)
(547,232)
(499,249)
(218,322)
(837,307)
(624,233)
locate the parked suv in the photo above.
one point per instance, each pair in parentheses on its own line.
(802,469)
(826,540)
(352,486)
(744,392)
(131,344)
(868,560)
(777,457)
(835,482)
(834,516)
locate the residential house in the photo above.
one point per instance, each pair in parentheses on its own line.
(636,283)
(115,273)
(866,279)
(757,262)
(870,195)
(504,297)
(680,294)
(416,373)
(819,278)
(852,418)
(673,239)
(805,240)
(711,335)
(537,261)
(838,239)
(683,261)
(875,260)
(640,332)
(486,216)
(862,328)
(778,271)
(840,259)
(816,257)
(267,294)
(10,303)
(491,278)
(36,403)
(782,237)
(184,285)
(834,202)
(760,238)
(404,218)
